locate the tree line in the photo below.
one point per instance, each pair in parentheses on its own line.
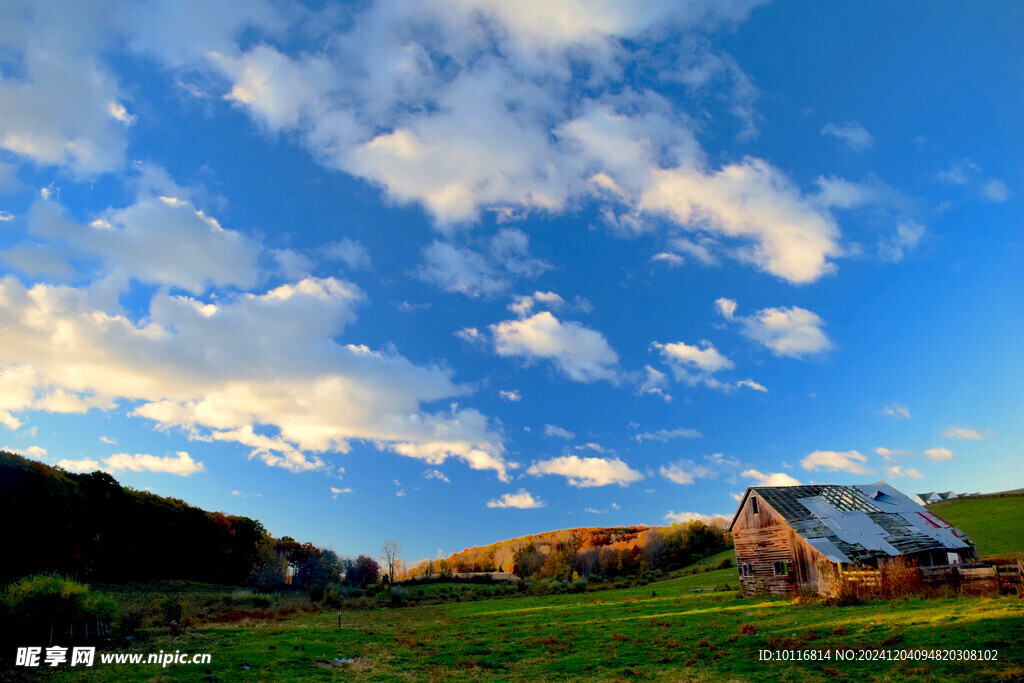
(89,527)
(605,552)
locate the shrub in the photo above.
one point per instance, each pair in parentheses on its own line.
(44,604)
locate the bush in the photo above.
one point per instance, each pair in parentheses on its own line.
(37,606)
(316,593)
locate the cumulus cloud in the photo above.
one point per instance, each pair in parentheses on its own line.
(180,464)
(436,474)
(854,135)
(587,472)
(555,430)
(431,122)
(350,252)
(995,191)
(335,491)
(793,332)
(836,461)
(162,240)
(655,382)
(484,273)
(694,365)
(953,432)
(663,435)
(908,235)
(684,517)
(938,454)
(582,354)
(902,471)
(900,412)
(891,453)
(522,499)
(685,472)
(262,370)
(770,479)
(513,396)
(81,465)
(34,452)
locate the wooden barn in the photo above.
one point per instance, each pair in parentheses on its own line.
(785,535)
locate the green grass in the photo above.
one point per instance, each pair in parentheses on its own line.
(661,631)
(996,525)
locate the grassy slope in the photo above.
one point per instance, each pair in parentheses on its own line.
(662,631)
(996,525)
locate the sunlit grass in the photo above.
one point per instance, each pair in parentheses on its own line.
(661,631)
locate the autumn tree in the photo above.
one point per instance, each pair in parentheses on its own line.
(389,555)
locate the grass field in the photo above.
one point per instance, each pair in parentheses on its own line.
(661,631)
(996,525)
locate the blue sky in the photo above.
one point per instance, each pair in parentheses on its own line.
(458,271)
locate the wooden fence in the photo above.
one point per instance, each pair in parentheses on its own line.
(968,577)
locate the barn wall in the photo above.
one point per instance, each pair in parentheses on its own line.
(761,540)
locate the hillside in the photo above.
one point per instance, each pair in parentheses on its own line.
(996,525)
(89,526)
(604,551)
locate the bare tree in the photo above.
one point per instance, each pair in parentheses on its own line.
(389,555)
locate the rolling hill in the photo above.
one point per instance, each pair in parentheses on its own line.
(996,524)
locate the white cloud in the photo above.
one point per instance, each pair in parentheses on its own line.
(586,472)
(726,308)
(350,252)
(335,491)
(61,106)
(966,172)
(663,435)
(107,439)
(901,471)
(595,511)
(522,500)
(6,216)
(938,454)
(163,240)
(891,453)
(751,384)
(436,474)
(836,461)
(704,360)
(967,433)
(34,452)
(770,479)
(684,517)
(673,260)
(180,464)
(262,370)
(908,235)
(897,411)
(513,396)
(460,270)
(555,430)
(852,133)
(656,382)
(582,354)
(82,465)
(685,472)
(794,332)
(995,191)
(522,306)
(750,202)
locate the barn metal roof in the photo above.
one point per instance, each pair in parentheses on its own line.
(851,524)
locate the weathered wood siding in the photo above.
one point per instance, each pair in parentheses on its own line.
(761,540)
